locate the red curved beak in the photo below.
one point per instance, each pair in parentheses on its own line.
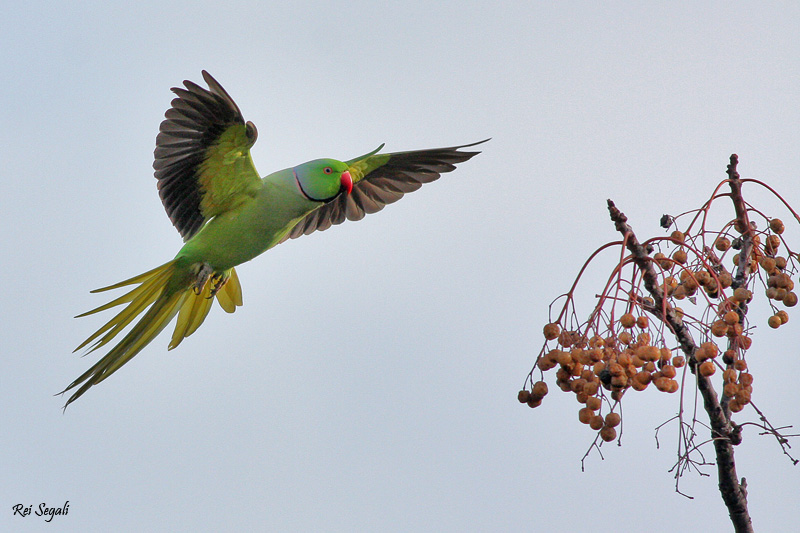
(347,181)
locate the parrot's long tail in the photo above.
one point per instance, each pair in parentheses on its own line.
(170,289)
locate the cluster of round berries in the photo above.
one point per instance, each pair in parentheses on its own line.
(779,283)
(588,366)
(623,355)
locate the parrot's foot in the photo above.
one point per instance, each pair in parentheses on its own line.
(204,271)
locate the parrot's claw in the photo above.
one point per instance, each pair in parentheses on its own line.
(218,280)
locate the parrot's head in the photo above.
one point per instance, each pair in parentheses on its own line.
(322,180)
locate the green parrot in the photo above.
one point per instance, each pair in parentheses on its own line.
(227,215)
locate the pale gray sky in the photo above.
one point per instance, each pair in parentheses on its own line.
(369,382)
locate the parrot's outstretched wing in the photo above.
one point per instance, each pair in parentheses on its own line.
(382,179)
(202,156)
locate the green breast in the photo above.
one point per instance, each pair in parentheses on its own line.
(251,229)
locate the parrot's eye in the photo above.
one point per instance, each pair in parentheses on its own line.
(327,170)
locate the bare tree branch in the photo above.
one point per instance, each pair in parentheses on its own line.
(721,429)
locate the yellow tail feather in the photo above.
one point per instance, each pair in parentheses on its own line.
(230,295)
(193,311)
(134,279)
(155,280)
(168,290)
(140,297)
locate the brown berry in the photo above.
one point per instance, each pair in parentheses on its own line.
(744,341)
(608,434)
(662,261)
(625,338)
(734,330)
(551,331)
(678,236)
(722,243)
(704,278)
(596,422)
(679,256)
(729,375)
(719,328)
(741,294)
(593,403)
(615,369)
(768,264)
(576,386)
(534,402)
(783,315)
(523,396)
(619,381)
(707,369)
(679,293)
(597,342)
(711,349)
(790,300)
(743,396)
(678,361)
(627,320)
(545,363)
(772,244)
(539,389)
(729,357)
(731,317)
(774,322)
(776,225)
(612,420)
(642,322)
(668,371)
(648,353)
(643,377)
(661,383)
(564,358)
(565,339)
(585,415)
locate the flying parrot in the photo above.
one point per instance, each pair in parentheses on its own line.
(228,215)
